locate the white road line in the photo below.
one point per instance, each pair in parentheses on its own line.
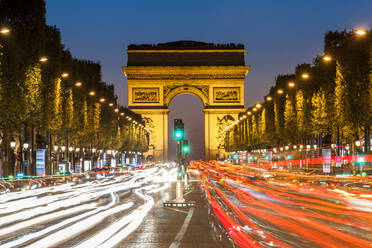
(177,241)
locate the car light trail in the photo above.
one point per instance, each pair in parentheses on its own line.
(44,217)
(284,209)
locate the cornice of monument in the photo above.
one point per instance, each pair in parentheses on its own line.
(185,72)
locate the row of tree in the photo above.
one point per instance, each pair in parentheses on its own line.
(328,102)
(49,98)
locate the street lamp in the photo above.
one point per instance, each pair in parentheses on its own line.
(305,75)
(111,104)
(4,30)
(43,59)
(78,84)
(25,146)
(327,58)
(360,32)
(280,91)
(65,75)
(268,98)
(291,84)
(63,148)
(13,144)
(254,109)
(258,105)
(116,110)
(102,99)
(92,93)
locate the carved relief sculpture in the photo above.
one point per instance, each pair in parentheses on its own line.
(222,123)
(145,95)
(226,94)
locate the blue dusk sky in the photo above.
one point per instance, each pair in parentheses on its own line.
(277,34)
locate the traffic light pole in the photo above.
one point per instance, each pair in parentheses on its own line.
(182,150)
(179,191)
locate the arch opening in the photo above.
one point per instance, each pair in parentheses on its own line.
(186,90)
(189,108)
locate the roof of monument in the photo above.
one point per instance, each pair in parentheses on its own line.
(185,45)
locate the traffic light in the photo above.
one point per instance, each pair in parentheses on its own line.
(185,146)
(178,129)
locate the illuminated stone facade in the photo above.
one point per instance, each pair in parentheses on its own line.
(213,73)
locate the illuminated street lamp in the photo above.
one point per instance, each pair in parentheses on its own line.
(25,146)
(327,58)
(78,84)
(13,144)
(269,98)
(65,75)
(305,75)
(280,91)
(361,32)
(249,112)
(92,93)
(291,84)
(116,110)
(55,148)
(102,100)
(122,114)
(258,105)
(254,109)
(4,30)
(111,104)
(43,59)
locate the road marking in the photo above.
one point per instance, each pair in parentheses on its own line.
(177,210)
(188,192)
(177,241)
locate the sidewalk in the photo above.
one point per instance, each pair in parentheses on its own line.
(161,225)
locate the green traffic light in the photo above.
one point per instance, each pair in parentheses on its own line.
(178,135)
(186,149)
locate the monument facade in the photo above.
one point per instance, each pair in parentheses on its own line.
(158,73)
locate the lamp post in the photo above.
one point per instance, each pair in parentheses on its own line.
(25,159)
(13,146)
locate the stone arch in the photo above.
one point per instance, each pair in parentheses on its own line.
(186,89)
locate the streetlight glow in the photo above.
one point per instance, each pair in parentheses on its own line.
(4,30)
(254,109)
(269,98)
(249,112)
(305,76)
(361,32)
(116,110)
(258,105)
(65,74)
(111,104)
(13,144)
(122,114)
(102,100)
(291,84)
(327,58)
(280,91)
(25,145)
(43,59)
(78,84)
(92,93)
